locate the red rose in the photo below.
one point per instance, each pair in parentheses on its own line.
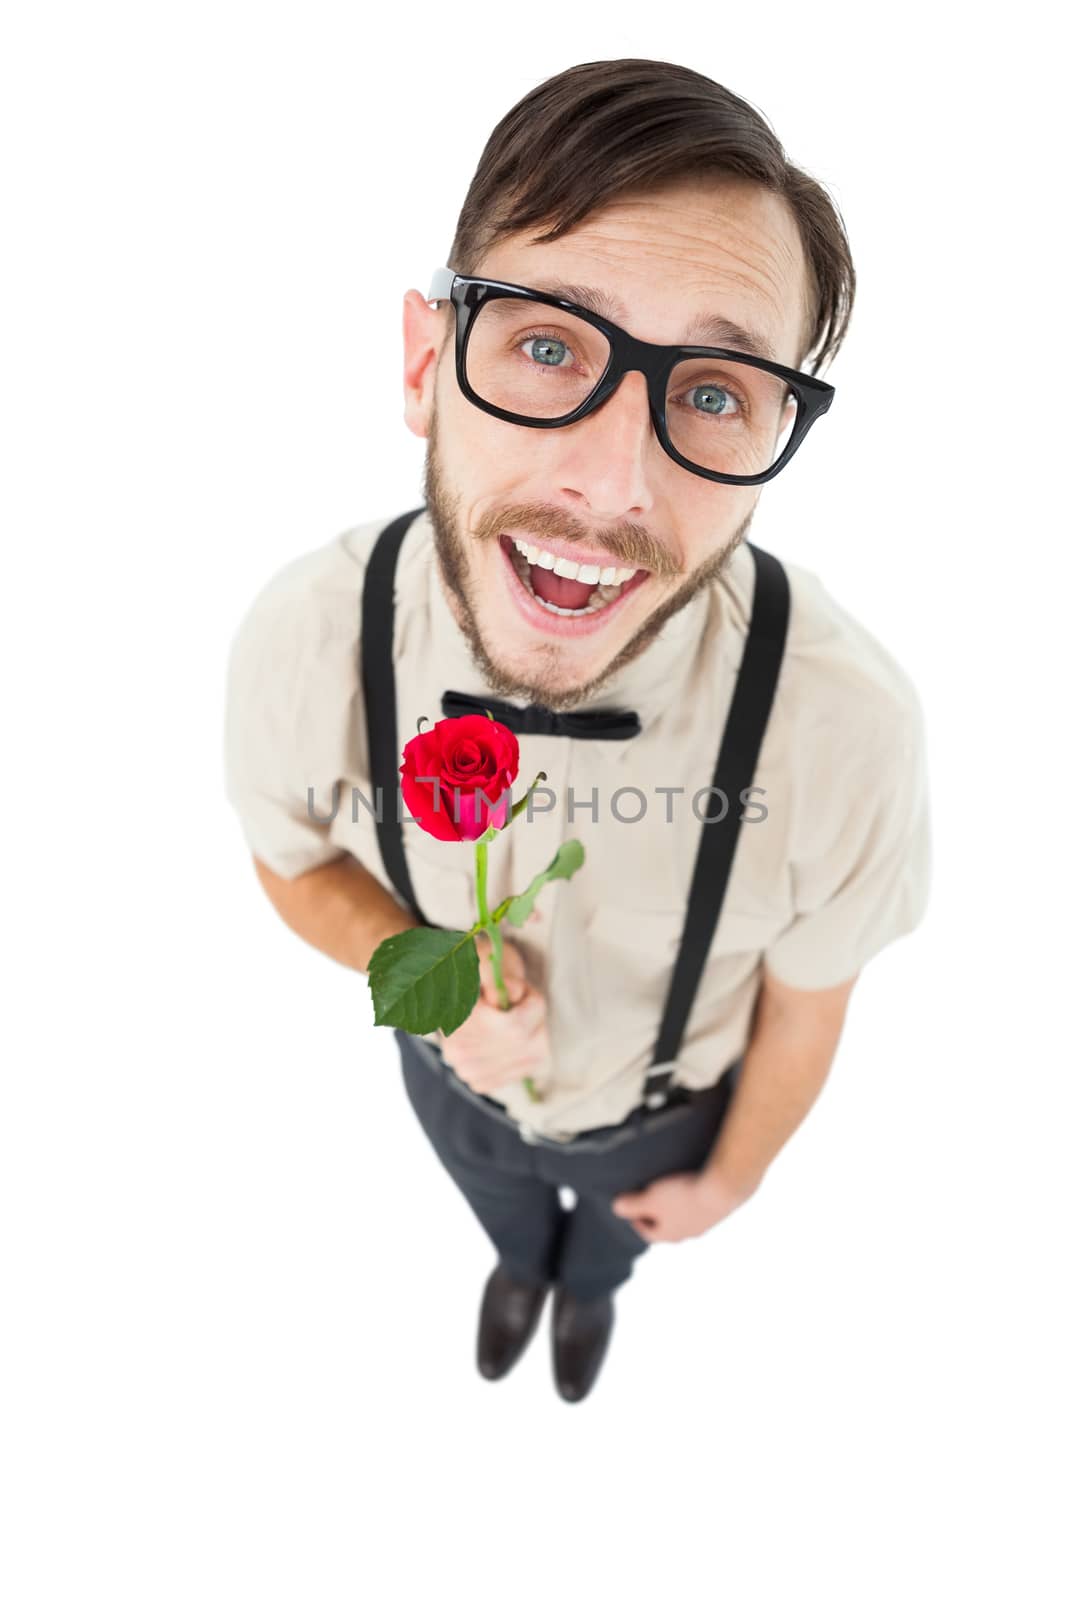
(465,755)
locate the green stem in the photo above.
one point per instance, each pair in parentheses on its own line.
(489,922)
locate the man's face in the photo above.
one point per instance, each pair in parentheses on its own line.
(601,491)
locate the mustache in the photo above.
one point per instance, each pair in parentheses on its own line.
(630,545)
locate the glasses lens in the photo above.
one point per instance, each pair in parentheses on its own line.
(729,416)
(533,359)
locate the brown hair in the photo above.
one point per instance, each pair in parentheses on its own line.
(605,129)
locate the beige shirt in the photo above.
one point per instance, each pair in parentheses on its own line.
(837,866)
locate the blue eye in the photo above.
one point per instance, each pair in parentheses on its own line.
(717,399)
(546,350)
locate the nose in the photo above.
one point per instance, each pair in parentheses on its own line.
(606,462)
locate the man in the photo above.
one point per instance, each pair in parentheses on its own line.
(606,375)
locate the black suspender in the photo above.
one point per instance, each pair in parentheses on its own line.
(379,699)
(735,768)
(750,710)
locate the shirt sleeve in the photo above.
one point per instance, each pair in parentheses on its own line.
(291,699)
(869,882)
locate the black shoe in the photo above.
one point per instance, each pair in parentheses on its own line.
(581,1331)
(507,1322)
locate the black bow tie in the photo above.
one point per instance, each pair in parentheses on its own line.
(538,719)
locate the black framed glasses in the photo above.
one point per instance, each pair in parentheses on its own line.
(544,362)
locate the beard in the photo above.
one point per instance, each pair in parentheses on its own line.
(549,683)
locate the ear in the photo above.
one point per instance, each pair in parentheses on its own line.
(424,331)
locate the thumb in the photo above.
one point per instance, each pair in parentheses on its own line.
(514,986)
(628,1205)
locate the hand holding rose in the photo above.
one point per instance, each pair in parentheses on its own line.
(494,1046)
(469,985)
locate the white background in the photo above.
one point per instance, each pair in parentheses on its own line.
(241,1294)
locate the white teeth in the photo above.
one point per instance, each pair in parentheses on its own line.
(607,577)
(561,611)
(601,596)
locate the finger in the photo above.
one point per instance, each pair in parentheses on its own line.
(515,984)
(514,988)
(510,954)
(521,1066)
(516,1067)
(512,965)
(522,1025)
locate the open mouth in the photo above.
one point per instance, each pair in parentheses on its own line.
(576,592)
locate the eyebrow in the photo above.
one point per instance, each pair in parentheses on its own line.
(705,329)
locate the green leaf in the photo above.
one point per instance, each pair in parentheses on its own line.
(566,861)
(424,979)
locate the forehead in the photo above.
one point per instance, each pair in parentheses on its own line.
(728,249)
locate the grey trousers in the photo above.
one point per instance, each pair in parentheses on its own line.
(513,1187)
